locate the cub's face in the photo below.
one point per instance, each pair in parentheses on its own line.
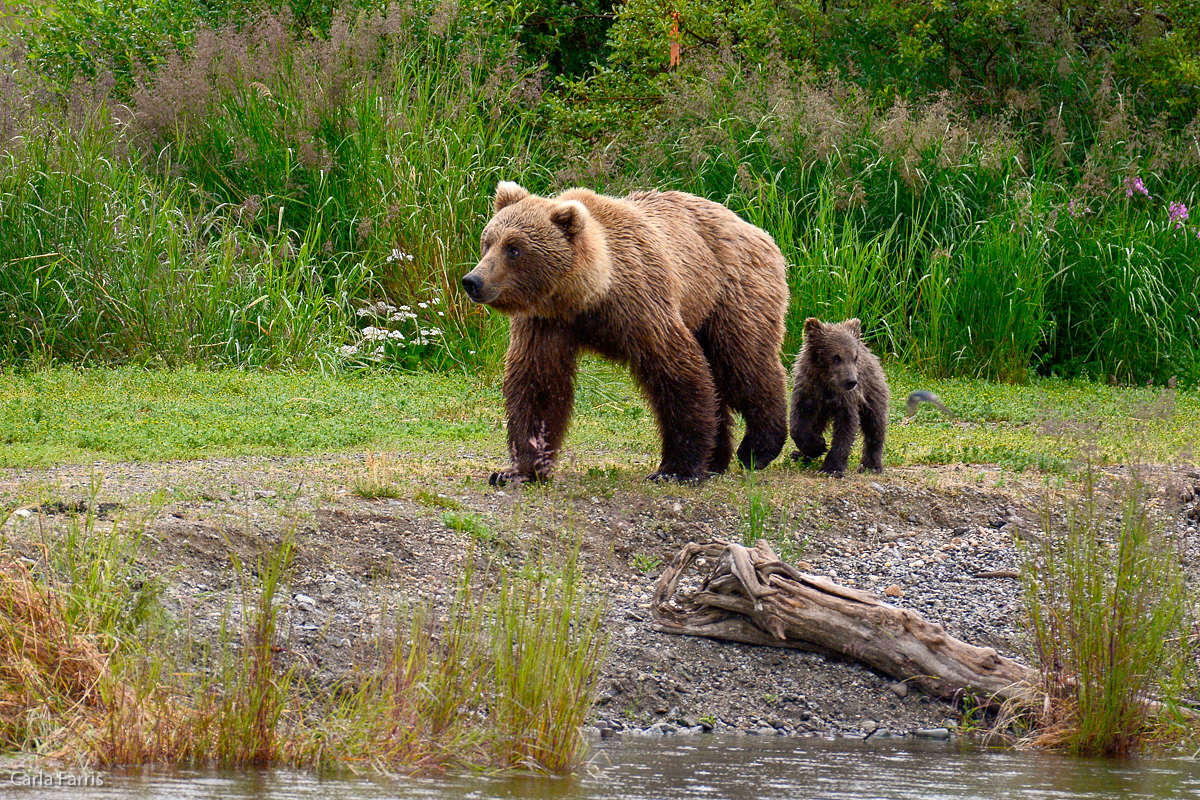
(842,364)
(526,250)
(835,350)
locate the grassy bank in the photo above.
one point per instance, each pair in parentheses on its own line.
(83,415)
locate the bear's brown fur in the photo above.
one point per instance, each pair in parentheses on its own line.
(691,296)
(837,379)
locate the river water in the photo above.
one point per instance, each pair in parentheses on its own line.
(734,767)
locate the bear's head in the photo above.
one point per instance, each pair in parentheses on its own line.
(540,256)
(832,350)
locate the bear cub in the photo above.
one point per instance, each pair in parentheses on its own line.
(838,380)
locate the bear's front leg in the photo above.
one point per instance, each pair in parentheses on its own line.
(845,426)
(675,376)
(539,392)
(807,424)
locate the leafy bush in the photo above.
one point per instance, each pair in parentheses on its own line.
(89,39)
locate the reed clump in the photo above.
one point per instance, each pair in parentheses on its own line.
(504,681)
(1113,626)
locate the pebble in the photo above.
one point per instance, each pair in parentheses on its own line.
(899,689)
(932,733)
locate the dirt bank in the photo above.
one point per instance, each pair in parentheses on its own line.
(939,540)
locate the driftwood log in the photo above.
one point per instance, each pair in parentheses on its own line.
(750,596)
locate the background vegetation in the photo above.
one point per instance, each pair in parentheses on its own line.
(997,189)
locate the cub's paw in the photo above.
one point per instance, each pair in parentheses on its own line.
(874,469)
(832,471)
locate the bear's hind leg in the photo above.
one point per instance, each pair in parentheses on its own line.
(750,379)
(874,430)
(722,454)
(766,429)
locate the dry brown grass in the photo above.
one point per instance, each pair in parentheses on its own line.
(47,669)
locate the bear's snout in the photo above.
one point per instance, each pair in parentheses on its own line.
(850,383)
(473,285)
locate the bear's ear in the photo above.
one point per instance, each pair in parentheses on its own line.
(570,215)
(854,326)
(508,193)
(812,326)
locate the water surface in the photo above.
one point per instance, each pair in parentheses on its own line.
(734,767)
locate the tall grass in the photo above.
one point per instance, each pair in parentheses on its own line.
(961,253)
(264,188)
(265,185)
(93,671)
(104,263)
(1113,622)
(504,681)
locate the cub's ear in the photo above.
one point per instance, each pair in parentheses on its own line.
(508,193)
(854,326)
(570,215)
(812,326)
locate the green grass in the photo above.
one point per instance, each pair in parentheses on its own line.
(68,415)
(1112,620)
(64,416)
(244,217)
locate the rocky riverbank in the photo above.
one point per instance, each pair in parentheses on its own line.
(939,540)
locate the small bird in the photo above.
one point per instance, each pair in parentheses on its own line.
(921,396)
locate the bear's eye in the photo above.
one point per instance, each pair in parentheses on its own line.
(514,251)
(837,359)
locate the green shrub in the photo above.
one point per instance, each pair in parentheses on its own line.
(88,39)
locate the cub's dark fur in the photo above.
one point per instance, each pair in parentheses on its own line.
(838,380)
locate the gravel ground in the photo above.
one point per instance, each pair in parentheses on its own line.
(939,540)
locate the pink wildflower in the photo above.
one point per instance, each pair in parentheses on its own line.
(1134,185)
(1178,213)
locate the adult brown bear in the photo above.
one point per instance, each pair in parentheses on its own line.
(680,288)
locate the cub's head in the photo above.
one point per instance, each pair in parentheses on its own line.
(831,352)
(540,256)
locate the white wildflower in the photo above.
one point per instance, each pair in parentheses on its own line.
(422,305)
(348,350)
(396,335)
